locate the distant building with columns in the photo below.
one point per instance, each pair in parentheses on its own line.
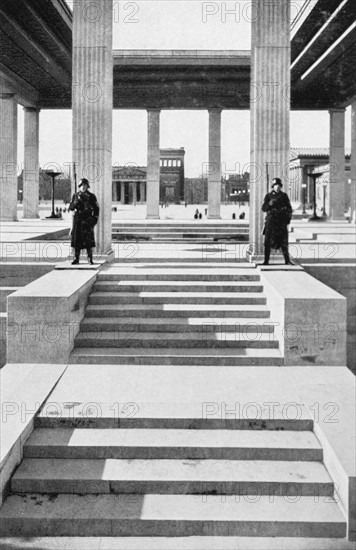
(304,161)
(129,182)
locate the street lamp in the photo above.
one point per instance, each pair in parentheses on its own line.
(314,177)
(53,176)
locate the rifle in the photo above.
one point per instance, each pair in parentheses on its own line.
(75,178)
(267,176)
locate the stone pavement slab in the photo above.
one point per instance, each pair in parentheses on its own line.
(173,543)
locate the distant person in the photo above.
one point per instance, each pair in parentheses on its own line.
(206,211)
(279,214)
(86,213)
(242,216)
(196,215)
(200,215)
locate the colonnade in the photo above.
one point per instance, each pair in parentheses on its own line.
(136,188)
(92,127)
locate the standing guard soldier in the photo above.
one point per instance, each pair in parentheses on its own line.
(279,214)
(86,213)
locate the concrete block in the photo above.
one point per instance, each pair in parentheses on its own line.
(311,318)
(44,317)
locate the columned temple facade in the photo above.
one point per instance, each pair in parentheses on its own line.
(92,79)
(130,181)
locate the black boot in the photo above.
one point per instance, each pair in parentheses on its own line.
(287,259)
(75,261)
(267,255)
(90,256)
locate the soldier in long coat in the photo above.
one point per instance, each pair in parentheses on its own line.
(86,213)
(279,214)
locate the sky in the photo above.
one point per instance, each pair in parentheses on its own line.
(176,24)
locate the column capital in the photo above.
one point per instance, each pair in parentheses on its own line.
(6,95)
(153,110)
(31,109)
(214,110)
(339,110)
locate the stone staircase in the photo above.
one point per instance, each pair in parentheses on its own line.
(181,314)
(171,478)
(170,470)
(196,231)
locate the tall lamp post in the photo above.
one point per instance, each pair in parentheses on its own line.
(53,176)
(314,176)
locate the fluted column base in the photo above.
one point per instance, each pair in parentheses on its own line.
(214,173)
(92,106)
(336,195)
(270,106)
(153,164)
(31,181)
(353,165)
(8,156)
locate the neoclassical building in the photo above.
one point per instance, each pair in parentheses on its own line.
(129,182)
(304,161)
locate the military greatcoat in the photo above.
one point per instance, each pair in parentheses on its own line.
(86,213)
(279,215)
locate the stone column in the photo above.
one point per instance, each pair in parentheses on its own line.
(122,192)
(353,164)
(336,200)
(153,167)
(31,183)
(270,106)
(214,173)
(143,191)
(8,157)
(134,193)
(92,102)
(299,190)
(114,191)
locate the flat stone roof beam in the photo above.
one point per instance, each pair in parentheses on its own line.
(323,55)
(36,45)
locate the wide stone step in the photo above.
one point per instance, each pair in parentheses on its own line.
(177,311)
(169,515)
(226,477)
(188,228)
(177,356)
(253,328)
(224,226)
(202,240)
(112,339)
(171,415)
(176,286)
(177,297)
(240,268)
(179,276)
(181,543)
(173,444)
(181,234)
